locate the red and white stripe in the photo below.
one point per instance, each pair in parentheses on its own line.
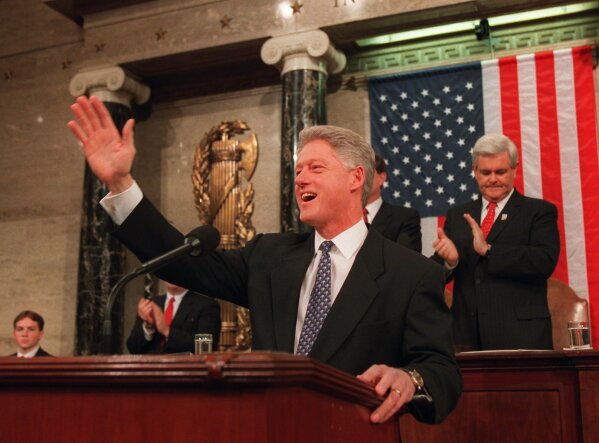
(545,102)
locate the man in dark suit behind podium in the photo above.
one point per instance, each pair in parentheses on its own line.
(388,321)
(168,323)
(500,280)
(402,225)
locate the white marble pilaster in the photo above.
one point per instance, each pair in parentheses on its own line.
(111,84)
(310,50)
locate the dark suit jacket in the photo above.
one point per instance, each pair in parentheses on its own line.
(500,300)
(402,225)
(390,309)
(196,314)
(40,353)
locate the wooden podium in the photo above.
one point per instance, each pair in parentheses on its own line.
(241,397)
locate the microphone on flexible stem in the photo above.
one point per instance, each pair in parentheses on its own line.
(203,238)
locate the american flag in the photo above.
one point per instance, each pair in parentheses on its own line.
(425,123)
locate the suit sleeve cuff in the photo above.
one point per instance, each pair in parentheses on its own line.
(149,331)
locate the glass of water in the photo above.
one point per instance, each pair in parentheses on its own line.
(580,337)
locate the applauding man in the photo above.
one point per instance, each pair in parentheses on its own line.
(168,323)
(500,250)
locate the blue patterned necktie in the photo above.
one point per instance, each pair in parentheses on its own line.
(320,301)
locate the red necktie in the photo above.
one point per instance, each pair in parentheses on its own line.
(489,219)
(365,215)
(168,314)
(168,317)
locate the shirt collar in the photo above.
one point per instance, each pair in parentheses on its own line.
(500,204)
(348,242)
(177,297)
(30,353)
(374,207)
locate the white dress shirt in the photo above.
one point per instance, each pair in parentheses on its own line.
(30,353)
(343,254)
(500,205)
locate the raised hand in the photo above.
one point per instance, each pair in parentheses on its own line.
(109,155)
(446,248)
(479,243)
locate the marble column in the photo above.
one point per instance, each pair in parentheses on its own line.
(101,257)
(304,59)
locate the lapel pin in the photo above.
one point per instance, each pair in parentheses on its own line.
(503,217)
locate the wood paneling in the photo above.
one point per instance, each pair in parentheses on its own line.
(525,397)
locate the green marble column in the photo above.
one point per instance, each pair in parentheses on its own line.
(304,104)
(305,59)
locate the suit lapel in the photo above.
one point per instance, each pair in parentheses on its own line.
(354,298)
(160,301)
(381,219)
(506,216)
(184,310)
(286,285)
(474,209)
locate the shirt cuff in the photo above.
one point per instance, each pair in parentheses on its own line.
(448,267)
(149,331)
(119,206)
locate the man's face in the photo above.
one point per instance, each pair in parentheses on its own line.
(494,175)
(325,191)
(27,334)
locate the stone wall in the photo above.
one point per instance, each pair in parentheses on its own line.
(41,172)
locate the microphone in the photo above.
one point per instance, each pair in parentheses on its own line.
(204,238)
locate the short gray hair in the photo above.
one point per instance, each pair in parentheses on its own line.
(352,150)
(493,144)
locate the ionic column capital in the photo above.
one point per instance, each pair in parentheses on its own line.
(112,84)
(311,50)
